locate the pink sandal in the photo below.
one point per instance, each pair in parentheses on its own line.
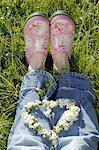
(36,35)
(62,33)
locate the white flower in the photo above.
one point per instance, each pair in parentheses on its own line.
(61,103)
(55,143)
(66,127)
(45,133)
(36,125)
(53,135)
(47,113)
(27,118)
(6,54)
(69,116)
(75,108)
(52,104)
(30,126)
(2,17)
(61,121)
(8,13)
(30,121)
(81,18)
(7,7)
(24,115)
(28,105)
(57,129)
(45,103)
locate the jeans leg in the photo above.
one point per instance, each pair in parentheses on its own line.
(84,133)
(36,85)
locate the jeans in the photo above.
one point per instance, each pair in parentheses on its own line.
(82,135)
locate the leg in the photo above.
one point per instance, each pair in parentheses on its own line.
(21,137)
(37,84)
(83,135)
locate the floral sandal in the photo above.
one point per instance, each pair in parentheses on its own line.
(36,35)
(62,33)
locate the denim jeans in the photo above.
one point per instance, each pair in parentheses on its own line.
(82,135)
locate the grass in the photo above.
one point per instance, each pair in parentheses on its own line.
(13,66)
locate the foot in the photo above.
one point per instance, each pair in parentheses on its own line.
(62,35)
(36,35)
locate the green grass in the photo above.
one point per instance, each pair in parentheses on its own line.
(13,66)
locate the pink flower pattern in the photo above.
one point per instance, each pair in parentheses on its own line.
(36,35)
(62,34)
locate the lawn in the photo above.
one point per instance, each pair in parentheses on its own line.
(13,67)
